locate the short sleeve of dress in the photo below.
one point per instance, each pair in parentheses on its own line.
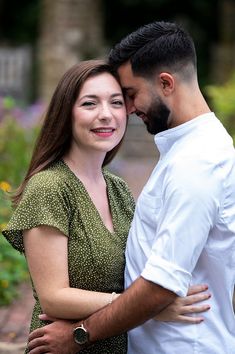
(44,202)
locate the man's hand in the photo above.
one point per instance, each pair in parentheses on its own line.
(55,338)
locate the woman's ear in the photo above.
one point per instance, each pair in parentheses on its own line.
(167,83)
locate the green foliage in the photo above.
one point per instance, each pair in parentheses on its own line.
(16,146)
(17,138)
(222,99)
(13,268)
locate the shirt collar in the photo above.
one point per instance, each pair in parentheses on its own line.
(166,139)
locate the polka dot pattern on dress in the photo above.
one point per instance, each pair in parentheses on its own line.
(96,257)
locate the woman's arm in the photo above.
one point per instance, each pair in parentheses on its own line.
(46,250)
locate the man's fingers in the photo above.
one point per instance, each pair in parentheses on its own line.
(39,332)
(195,289)
(36,342)
(40,350)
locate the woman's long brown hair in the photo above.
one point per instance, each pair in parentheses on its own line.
(56,133)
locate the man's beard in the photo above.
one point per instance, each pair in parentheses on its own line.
(157,117)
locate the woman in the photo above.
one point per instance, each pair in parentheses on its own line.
(72,216)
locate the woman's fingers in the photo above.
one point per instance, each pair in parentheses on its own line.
(44,317)
(186,309)
(190,320)
(193,299)
(195,289)
(195,309)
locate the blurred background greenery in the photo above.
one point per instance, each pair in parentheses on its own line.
(40,39)
(18,130)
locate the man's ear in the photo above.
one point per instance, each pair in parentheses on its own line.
(167,83)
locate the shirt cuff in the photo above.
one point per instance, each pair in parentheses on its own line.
(168,275)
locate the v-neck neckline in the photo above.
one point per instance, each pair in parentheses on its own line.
(109,197)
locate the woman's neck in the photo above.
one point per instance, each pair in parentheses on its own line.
(86,167)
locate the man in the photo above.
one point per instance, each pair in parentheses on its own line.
(183,230)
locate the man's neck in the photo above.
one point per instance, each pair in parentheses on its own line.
(190,105)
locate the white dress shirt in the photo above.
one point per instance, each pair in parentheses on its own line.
(183,233)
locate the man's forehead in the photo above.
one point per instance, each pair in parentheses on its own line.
(128,80)
(125,70)
(126,76)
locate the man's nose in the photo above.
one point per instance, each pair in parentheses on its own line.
(130,107)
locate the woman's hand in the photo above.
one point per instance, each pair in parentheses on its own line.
(182,308)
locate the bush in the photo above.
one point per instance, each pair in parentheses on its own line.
(18,130)
(222,99)
(12,263)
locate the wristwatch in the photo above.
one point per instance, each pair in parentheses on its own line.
(81,335)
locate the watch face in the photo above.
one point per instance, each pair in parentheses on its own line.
(81,335)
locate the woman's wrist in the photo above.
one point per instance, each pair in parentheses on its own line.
(112,297)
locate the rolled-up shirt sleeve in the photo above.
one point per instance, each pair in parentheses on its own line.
(191,200)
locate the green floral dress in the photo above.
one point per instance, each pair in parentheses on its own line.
(96,259)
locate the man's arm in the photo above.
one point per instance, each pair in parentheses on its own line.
(140,302)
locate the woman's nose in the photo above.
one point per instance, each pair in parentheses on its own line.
(105,112)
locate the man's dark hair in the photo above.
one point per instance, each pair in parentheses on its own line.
(154,47)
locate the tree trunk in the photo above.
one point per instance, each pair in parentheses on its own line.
(71,30)
(223,55)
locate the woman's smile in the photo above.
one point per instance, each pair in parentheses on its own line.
(103,132)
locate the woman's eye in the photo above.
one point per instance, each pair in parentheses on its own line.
(88,104)
(118,103)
